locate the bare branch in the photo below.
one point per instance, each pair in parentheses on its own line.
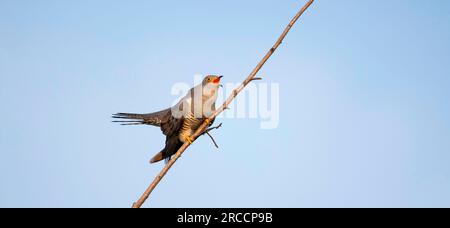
(255,79)
(204,126)
(210,136)
(213,128)
(214,141)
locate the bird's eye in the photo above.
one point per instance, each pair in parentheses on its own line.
(209,79)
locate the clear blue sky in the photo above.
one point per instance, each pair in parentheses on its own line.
(364,119)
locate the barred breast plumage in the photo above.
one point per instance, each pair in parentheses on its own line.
(190,124)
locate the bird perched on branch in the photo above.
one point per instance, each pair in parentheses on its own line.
(181,121)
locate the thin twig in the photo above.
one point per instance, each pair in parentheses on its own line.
(213,128)
(256,79)
(210,136)
(213,140)
(202,128)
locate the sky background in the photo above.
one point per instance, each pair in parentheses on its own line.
(364,103)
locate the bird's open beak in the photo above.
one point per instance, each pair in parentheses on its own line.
(217,80)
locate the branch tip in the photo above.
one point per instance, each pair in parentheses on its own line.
(255,79)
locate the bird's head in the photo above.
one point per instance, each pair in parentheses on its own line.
(210,85)
(212,80)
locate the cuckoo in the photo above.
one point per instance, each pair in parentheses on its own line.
(179,122)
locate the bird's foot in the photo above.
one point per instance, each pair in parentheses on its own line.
(207,121)
(188,139)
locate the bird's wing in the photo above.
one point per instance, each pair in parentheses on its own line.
(154,119)
(171,128)
(172,125)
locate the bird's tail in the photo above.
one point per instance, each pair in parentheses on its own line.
(155,119)
(129,118)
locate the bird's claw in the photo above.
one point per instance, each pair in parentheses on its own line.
(189,139)
(208,121)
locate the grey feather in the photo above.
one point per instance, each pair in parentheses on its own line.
(154,119)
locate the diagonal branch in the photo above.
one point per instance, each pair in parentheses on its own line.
(225,105)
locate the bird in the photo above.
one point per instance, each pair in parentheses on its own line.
(179,123)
